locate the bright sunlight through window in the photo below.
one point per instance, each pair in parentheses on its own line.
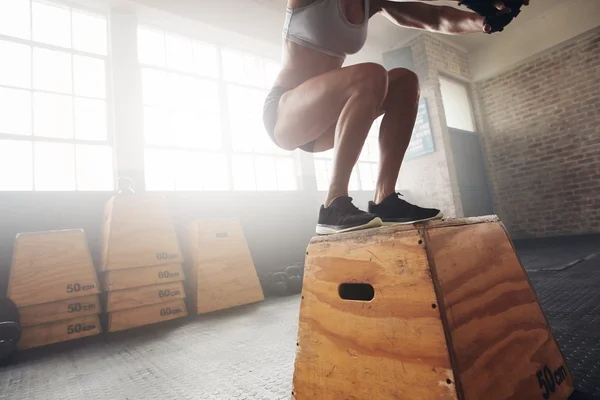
(53,79)
(203,117)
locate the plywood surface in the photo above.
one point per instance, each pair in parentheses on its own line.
(51,266)
(137,297)
(60,310)
(392,347)
(499,336)
(61,331)
(146,315)
(223,270)
(143,276)
(138,232)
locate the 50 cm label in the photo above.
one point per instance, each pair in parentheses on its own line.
(549,380)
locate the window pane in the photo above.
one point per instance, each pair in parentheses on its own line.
(354,181)
(368,175)
(89,33)
(18,120)
(206,60)
(457,105)
(90,119)
(51,24)
(322,175)
(214,172)
(192,94)
(52,115)
(156,126)
(243,68)
(14,18)
(188,165)
(180,55)
(15,64)
(52,70)
(159,168)
(286,174)
(151,47)
(54,166)
(243,173)
(89,77)
(94,167)
(245,102)
(196,130)
(266,174)
(154,86)
(15,156)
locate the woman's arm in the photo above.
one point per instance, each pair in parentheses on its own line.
(442,19)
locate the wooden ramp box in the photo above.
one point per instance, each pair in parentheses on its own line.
(146,315)
(220,271)
(442,310)
(138,232)
(51,266)
(54,284)
(59,331)
(141,262)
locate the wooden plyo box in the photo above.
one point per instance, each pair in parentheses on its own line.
(59,310)
(144,276)
(220,271)
(51,266)
(146,315)
(138,232)
(142,296)
(441,310)
(60,331)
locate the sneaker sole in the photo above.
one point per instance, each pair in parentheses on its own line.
(440,215)
(374,223)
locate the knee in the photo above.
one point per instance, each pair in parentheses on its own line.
(372,78)
(405,81)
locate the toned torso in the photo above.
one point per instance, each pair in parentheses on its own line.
(301,63)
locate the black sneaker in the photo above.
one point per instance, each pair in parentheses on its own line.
(393,210)
(343,216)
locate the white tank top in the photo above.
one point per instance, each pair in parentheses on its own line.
(323,27)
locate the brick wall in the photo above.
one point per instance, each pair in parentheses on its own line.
(542,138)
(430,180)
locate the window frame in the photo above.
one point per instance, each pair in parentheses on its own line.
(81,7)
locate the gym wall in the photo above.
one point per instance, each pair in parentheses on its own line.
(542,138)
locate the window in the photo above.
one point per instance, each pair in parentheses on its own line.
(364,174)
(190,88)
(457,105)
(53,81)
(257,163)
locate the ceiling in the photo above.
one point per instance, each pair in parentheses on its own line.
(263,20)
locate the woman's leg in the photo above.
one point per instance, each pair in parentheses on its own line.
(400,108)
(347,100)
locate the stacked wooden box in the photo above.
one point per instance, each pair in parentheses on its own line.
(54,284)
(141,265)
(219,267)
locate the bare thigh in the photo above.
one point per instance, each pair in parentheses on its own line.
(309,112)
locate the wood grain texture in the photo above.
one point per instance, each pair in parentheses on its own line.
(51,266)
(138,232)
(222,266)
(499,335)
(61,331)
(136,297)
(146,315)
(392,347)
(143,276)
(59,310)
